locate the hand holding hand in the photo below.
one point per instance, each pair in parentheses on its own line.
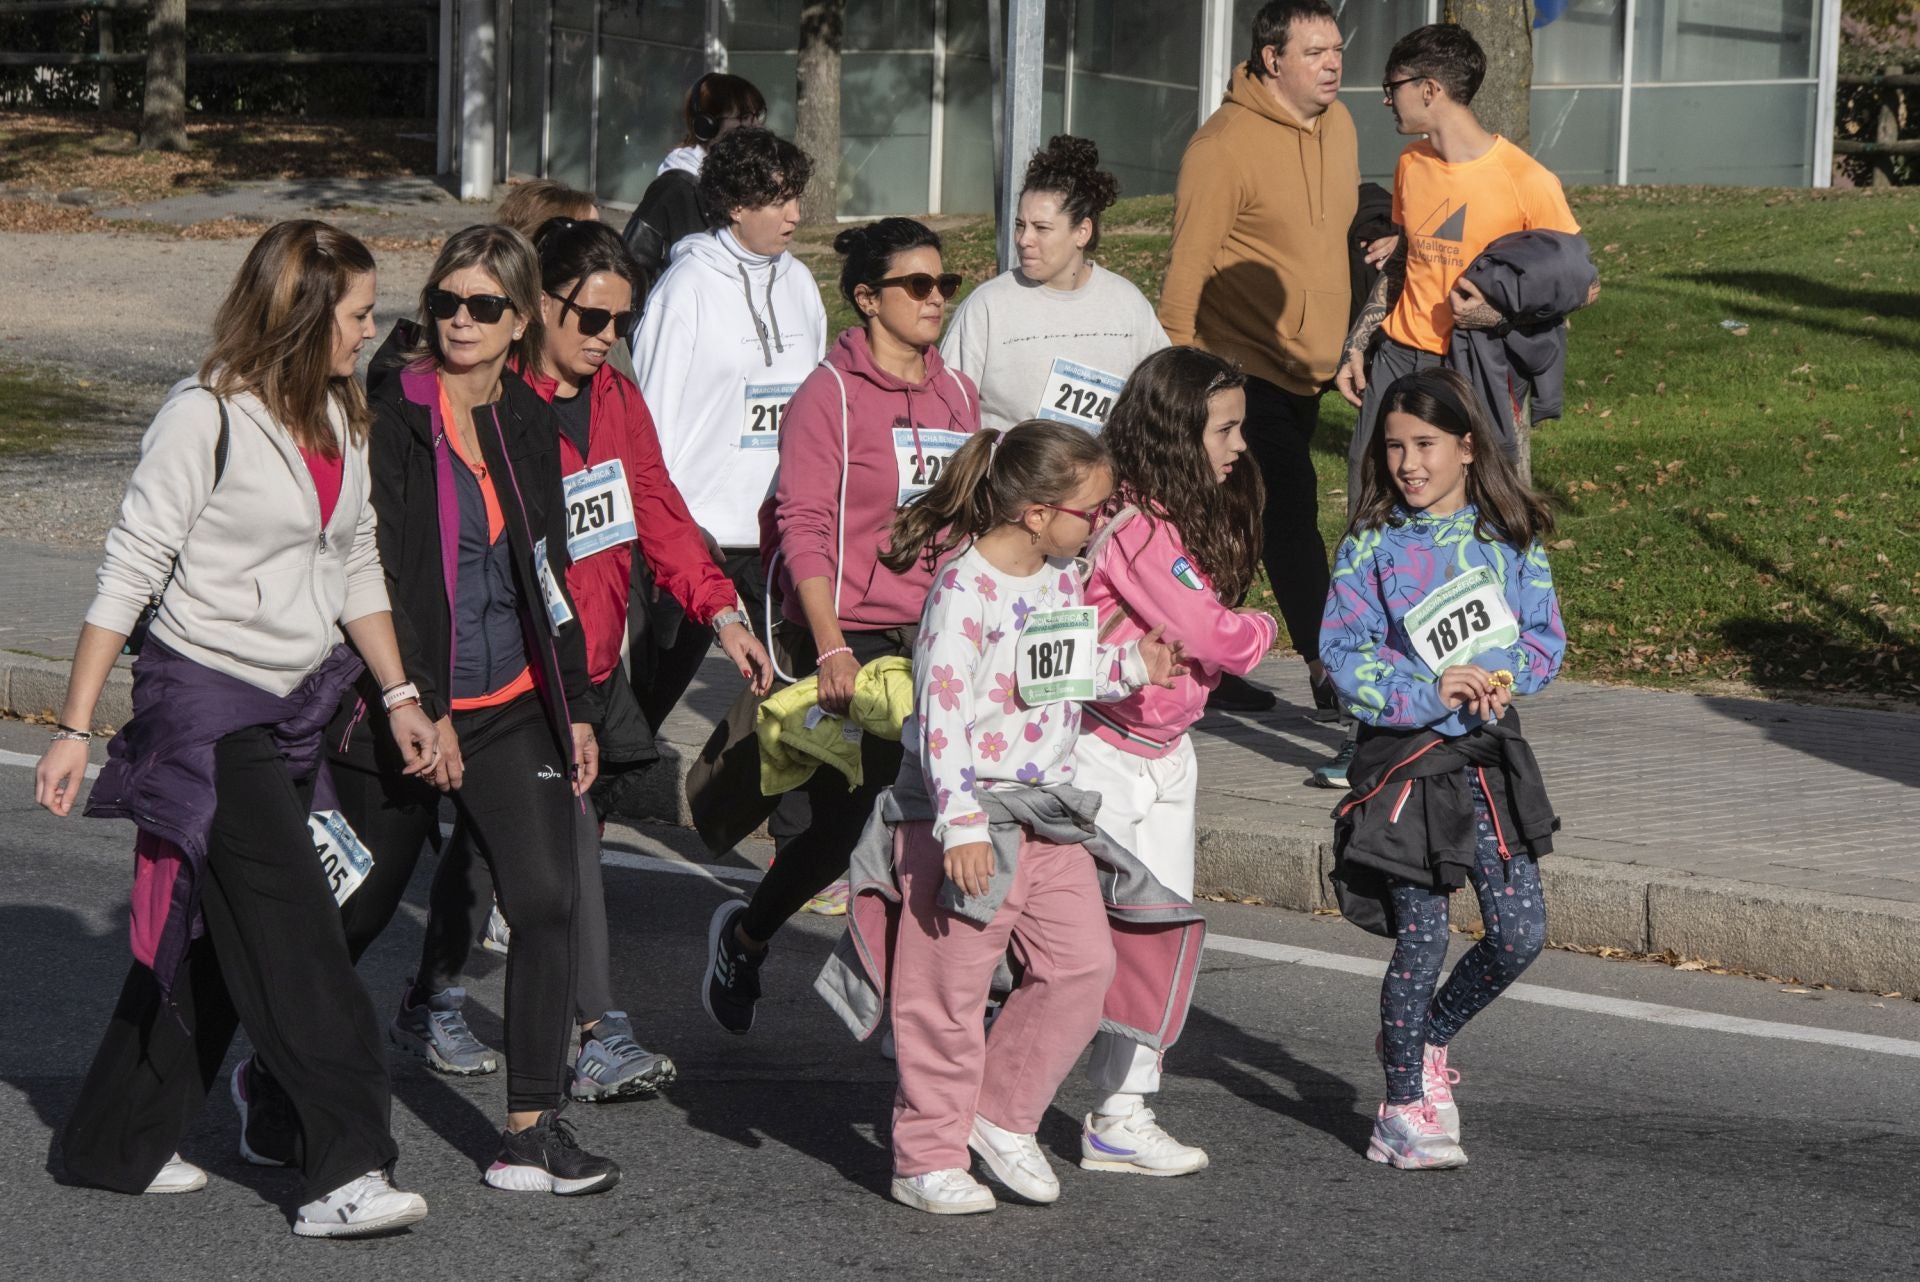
(417,737)
(970,867)
(449,768)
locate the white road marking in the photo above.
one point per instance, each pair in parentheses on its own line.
(1590,1003)
(29,761)
(1561,998)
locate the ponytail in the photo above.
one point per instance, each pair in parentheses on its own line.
(988,483)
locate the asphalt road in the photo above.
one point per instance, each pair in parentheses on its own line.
(1608,1141)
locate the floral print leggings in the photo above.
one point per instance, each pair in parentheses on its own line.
(1515,915)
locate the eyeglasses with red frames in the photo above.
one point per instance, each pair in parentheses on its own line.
(1082,513)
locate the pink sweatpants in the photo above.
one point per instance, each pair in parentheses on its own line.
(950,1069)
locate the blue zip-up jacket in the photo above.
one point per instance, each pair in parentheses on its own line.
(1379,575)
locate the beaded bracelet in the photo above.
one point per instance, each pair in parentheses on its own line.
(839,649)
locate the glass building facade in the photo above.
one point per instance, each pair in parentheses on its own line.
(1633,91)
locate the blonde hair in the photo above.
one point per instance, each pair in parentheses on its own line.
(509,258)
(531,203)
(275,332)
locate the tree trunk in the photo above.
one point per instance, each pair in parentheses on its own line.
(163,109)
(817,114)
(1504,29)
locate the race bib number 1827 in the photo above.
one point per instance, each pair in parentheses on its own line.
(1462,617)
(1056,655)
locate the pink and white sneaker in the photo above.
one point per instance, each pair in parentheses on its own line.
(1438,1081)
(1410,1138)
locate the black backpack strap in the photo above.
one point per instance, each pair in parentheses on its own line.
(220,445)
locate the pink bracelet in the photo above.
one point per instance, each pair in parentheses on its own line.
(839,649)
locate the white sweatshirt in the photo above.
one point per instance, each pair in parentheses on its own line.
(1010,332)
(726,339)
(261,589)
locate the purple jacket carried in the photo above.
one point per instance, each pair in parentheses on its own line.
(159,774)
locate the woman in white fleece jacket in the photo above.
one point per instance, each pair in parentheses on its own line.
(248,517)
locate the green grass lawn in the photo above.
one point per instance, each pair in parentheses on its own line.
(1738,506)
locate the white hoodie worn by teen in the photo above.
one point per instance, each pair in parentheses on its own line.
(727,338)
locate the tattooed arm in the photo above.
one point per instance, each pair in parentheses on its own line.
(1352,378)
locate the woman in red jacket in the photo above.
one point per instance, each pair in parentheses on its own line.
(618,496)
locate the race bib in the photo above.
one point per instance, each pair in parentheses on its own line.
(344,858)
(1463,617)
(1079,394)
(765,406)
(599,510)
(1056,655)
(920,464)
(558,612)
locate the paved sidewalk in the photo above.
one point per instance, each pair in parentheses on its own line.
(1764,835)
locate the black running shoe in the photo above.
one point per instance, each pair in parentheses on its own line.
(269,1129)
(546,1158)
(1237,694)
(733,973)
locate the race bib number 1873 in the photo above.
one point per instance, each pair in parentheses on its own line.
(1463,617)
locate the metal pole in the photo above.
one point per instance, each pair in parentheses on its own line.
(1022,89)
(937,126)
(477,48)
(1826,108)
(443,124)
(1629,19)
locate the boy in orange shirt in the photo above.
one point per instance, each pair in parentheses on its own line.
(1454,193)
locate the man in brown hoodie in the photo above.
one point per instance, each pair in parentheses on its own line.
(1259,274)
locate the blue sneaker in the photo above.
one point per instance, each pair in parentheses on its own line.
(611,1065)
(1334,773)
(436,1031)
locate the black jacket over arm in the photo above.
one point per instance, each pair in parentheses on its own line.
(1409,815)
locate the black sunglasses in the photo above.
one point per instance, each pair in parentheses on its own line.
(594,320)
(919,285)
(444,304)
(1387,88)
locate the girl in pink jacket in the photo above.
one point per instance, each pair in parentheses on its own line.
(1182,542)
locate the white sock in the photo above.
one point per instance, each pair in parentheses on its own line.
(1120,1104)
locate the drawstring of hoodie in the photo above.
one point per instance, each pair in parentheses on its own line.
(772,322)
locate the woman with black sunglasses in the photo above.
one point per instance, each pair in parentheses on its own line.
(618,497)
(867,433)
(473,536)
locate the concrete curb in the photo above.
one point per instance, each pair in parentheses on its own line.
(1849,941)
(31,687)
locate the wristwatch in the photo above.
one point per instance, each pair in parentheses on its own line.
(727,618)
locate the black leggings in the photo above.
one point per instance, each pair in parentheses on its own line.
(806,862)
(668,648)
(1279,432)
(518,802)
(273,959)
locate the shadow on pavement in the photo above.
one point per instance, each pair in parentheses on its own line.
(1217,1051)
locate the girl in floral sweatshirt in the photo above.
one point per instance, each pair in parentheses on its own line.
(1181,544)
(1007,652)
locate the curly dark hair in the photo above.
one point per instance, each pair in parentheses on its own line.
(1069,167)
(1156,436)
(751,168)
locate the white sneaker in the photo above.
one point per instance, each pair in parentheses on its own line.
(1135,1143)
(1437,1082)
(360,1208)
(949,1192)
(1015,1160)
(497,937)
(178,1176)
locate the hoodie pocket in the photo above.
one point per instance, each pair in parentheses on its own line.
(1309,310)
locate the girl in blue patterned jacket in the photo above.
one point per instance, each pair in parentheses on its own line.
(1442,610)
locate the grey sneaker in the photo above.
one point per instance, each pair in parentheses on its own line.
(611,1065)
(437,1032)
(498,937)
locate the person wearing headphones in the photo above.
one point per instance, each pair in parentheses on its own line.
(672,206)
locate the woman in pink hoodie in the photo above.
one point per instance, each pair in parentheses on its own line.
(868,432)
(1182,541)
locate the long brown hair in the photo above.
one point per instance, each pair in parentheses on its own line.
(275,331)
(1507,510)
(1157,433)
(988,483)
(509,258)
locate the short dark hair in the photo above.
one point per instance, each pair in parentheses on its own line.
(573,249)
(751,168)
(1443,52)
(870,248)
(715,99)
(1274,22)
